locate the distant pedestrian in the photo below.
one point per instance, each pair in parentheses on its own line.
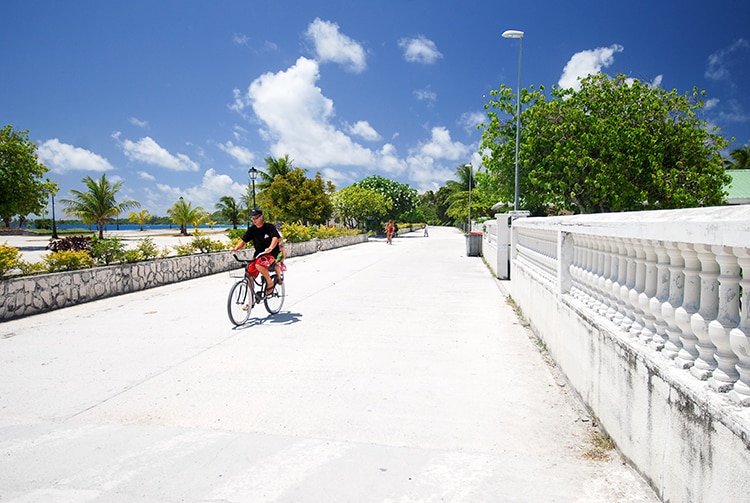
(426,234)
(389,230)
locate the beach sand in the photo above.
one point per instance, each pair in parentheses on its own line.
(32,247)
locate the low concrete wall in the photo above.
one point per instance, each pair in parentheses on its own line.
(30,295)
(687,432)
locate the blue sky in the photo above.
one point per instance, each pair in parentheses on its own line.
(181,97)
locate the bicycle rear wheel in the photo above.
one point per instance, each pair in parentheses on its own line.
(275,300)
(239,297)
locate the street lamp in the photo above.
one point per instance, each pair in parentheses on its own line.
(519,35)
(471,175)
(253,174)
(54,224)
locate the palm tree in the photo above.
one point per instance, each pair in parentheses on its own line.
(280,166)
(98,205)
(230,209)
(139,218)
(738,158)
(458,197)
(183,214)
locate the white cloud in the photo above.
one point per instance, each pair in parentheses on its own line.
(211,188)
(240,39)
(137,122)
(144,175)
(148,151)
(331,45)
(440,146)
(364,131)
(435,161)
(297,118)
(470,120)
(60,158)
(419,50)
(426,95)
(718,62)
(240,154)
(586,63)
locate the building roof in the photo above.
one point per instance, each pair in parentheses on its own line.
(739,188)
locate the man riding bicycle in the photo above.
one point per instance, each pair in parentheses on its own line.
(265,238)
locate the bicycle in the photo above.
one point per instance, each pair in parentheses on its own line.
(243,295)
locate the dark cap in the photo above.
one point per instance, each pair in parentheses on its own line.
(256,213)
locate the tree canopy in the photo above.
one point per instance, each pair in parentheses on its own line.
(355,205)
(739,158)
(617,144)
(183,214)
(295,198)
(22,190)
(403,198)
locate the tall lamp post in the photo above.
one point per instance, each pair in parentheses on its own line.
(519,35)
(54,224)
(471,175)
(253,174)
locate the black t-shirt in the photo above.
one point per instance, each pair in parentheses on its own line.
(261,238)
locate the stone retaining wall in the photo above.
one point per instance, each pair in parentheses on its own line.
(29,295)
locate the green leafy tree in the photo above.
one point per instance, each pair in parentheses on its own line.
(356,205)
(739,158)
(615,145)
(295,198)
(183,214)
(98,205)
(22,190)
(231,210)
(403,198)
(139,218)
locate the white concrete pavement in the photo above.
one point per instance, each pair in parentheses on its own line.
(394,373)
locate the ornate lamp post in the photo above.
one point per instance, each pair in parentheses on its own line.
(54,223)
(519,35)
(253,174)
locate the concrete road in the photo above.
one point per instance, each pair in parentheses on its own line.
(394,373)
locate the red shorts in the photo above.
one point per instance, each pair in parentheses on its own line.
(263,261)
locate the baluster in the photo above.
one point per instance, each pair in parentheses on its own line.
(648,292)
(705,363)
(627,306)
(676,293)
(594,273)
(661,297)
(619,278)
(725,374)
(688,352)
(739,338)
(605,278)
(637,288)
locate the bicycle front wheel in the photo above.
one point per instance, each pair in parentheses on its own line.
(239,303)
(275,300)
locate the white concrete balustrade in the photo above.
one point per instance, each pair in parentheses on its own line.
(674,284)
(648,315)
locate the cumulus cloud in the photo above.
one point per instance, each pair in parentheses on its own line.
(331,45)
(364,130)
(719,63)
(212,187)
(61,158)
(419,50)
(297,118)
(586,63)
(144,175)
(241,154)
(146,150)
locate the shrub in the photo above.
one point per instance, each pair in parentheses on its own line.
(296,233)
(70,243)
(235,234)
(147,249)
(31,267)
(183,250)
(107,251)
(67,260)
(9,258)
